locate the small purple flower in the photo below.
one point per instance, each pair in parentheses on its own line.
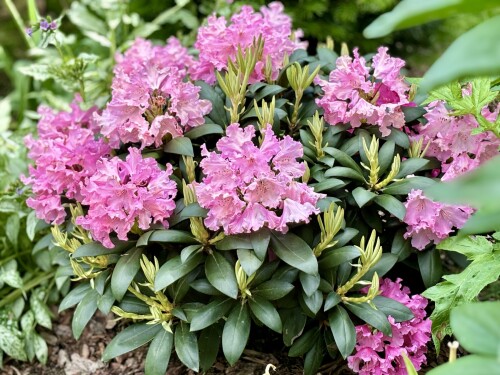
(44,25)
(53,25)
(29,31)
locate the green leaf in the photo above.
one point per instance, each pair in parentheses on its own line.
(272,289)
(470,55)
(460,288)
(220,273)
(211,313)
(343,330)
(188,251)
(268,90)
(41,311)
(396,309)
(430,267)
(11,343)
(265,312)
(476,327)
(80,16)
(41,349)
(313,358)
(235,333)
(168,236)
(363,196)
(313,302)
(74,296)
(218,114)
(343,159)
(470,364)
(328,184)
(125,270)
(234,242)
(31,222)
(249,261)
(293,250)
(260,242)
(404,186)
(392,205)
(383,266)
(84,312)
(470,246)
(304,343)
(410,166)
(94,249)
(186,346)
(209,343)
(409,13)
(344,172)
(174,269)
(400,246)
(131,338)
(310,283)
(413,113)
(180,146)
(333,299)
(202,130)
(386,155)
(159,353)
(376,318)
(106,301)
(203,286)
(334,257)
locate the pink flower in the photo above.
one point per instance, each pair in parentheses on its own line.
(218,41)
(121,194)
(356,96)
(65,153)
(247,187)
(430,221)
(150,97)
(376,353)
(451,140)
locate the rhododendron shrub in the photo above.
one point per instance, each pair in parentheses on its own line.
(197,228)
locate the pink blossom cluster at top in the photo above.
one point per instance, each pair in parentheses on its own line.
(378,354)
(248,187)
(358,94)
(65,154)
(451,142)
(218,41)
(150,98)
(431,221)
(121,194)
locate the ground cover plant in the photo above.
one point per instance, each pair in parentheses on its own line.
(201,194)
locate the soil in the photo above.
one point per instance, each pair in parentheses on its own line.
(68,356)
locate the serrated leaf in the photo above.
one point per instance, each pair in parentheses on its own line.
(235,333)
(130,338)
(470,246)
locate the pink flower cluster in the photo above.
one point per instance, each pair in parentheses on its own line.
(218,42)
(431,221)
(451,142)
(248,187)
(65,154)
(378,354)
(150,98)
(357,94)
(121,194)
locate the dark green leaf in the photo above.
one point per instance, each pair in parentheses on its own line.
(203,130)
(310,283)
(125,271)
(430,267)
(170,236)
(220,273)
(294,251)
(386,155)
(174,269)
(313,358)
(268,90)
(106,301)
(313,302)
(273,289)
(362,196)
(234,242)
(211,313)
(209,343)
(334,257)
(84,312)
(404,186)
(304,343)
(249,261)
(410,166)
(74,296)
(235,333)
(375,318)
(413,113)
(94,249)
(343,330)
(343,159)
(265,312)
(186,346)
(397,310)
(344,172)
(328,184)
(180,146)
(332,300)
(218,114)
(471,364)
(203,286)
(392,205)
(159,353)
(260,242)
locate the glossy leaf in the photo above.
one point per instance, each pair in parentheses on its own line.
(84,312)
(265,312)
(373,317)
(159,352)
(220,273)
(392,205)
(180,145)
(211,313)
(396,309)
(208,344)
(334,257)
(235,333)
(174,269)
(125,271)
(343,330)
(273,289)
(430,267)
(186,346)
(294,251)
(363,196)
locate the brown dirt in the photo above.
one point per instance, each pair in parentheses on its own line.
(68,356)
